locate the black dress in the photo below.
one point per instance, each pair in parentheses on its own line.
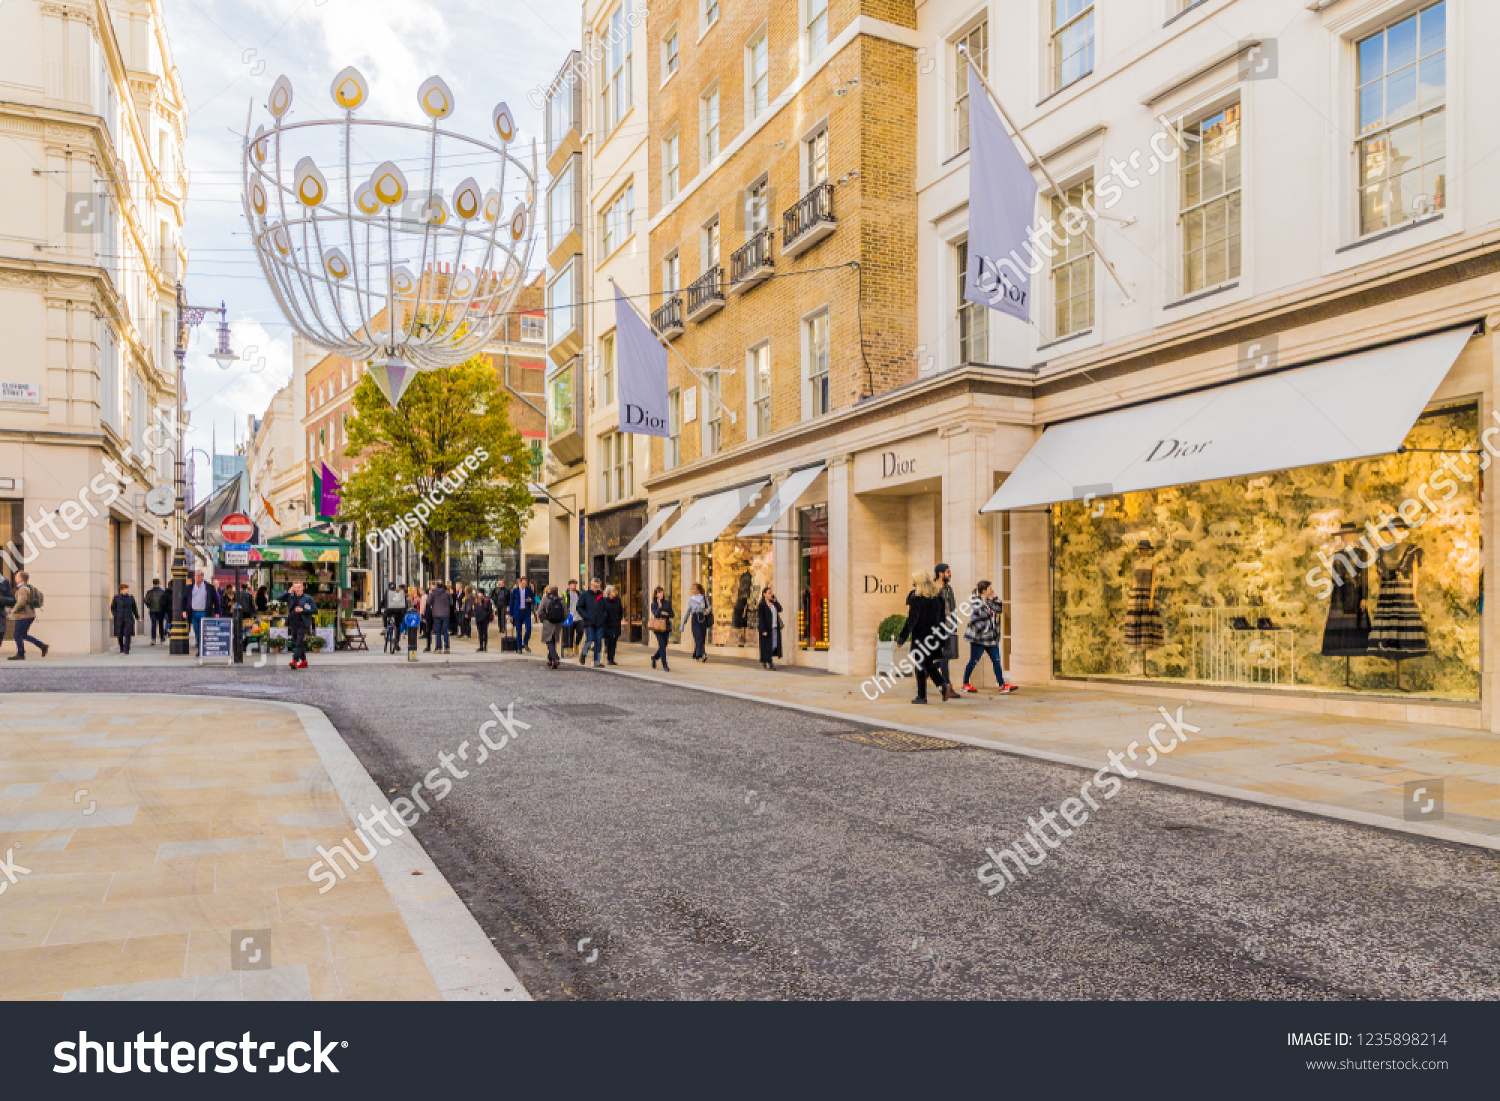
(768,622)
(1347,634)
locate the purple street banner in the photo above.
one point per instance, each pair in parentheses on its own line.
(328,495)
(641,371)
(1002,207)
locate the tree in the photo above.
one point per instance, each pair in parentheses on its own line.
(444,463)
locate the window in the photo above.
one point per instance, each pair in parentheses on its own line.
(711,244)
(1072,41)
(973,321)
(617,222)
(817,158)
(166,342)
(607,370)
(617,466)
(614,90)
(672,450)
(562,213)
(819,400)
(669,168)
(1403,98)
(1073,263)
(757,77)
(758,380)
(533,328)
(671,275)
(713,412)
(709,114)
(708,15)
(976,45)
(757,208)
(669,54)
(561,302)
(560,402)
(1211,201)
(816,28)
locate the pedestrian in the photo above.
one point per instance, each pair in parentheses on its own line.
(522,602)
(501,596)
(7,602)
(552,611)
(440,604)
(262,599)
(466,611)
(158,602)
(427,616)
(591,612)
(924,627)
(983,636)
(943,576)
(392,612)
(659,624)
(697,619)
(768,623)
(484,611)
(301,618)
(611,618)
(123,610)
(203,600)
(28,602)
(455,610)
(572,628)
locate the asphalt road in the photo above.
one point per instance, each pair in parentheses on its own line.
(711,848)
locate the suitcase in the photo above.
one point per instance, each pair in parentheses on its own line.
(508,644)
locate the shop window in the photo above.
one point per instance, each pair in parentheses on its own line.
(1403,119)
(1210,214)
(812,578)
(741,570)
(1362,576)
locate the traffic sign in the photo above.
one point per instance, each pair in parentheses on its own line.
(236,557)
(236,528)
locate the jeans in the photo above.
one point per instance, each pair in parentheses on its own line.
(661,646)
(523,631)
(978,650)
(23,633)
(484,634)
(440,632)
(593,638)
(299,642)
(700,636)
(159,626)
(197,626)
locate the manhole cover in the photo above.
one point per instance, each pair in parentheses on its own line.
(584,710)
(247,689)
(898,741)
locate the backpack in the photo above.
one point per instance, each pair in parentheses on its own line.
(36,595)
(555,611)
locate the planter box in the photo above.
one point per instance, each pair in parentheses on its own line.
(888,655)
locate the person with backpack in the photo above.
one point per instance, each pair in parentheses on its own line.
(591,615)
(698,617)
(659,624)
(28,603)
(158,604)
(301,618)
(552,611)
(983,637)
(123,611)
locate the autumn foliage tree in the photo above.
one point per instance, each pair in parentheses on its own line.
(445,465)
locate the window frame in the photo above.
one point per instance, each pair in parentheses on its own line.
(708,16)
(617,64)
(980,27)
(1057,32)
(711,243)
(808,33)
(812,158)
(671,166)
(1193,148)
(671,273)
(617,217)
(713,412)
(607,360)
(971,319)
(1063,260)
(757,88)
(711,121)
(757,399)
(671,53)
(817,376)
(672,445)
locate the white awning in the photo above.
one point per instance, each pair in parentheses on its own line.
(653,525)
(1351,408)
(707,517)
(784,498)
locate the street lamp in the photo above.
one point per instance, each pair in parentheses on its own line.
(188,318)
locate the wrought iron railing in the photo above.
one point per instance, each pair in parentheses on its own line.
(813,209)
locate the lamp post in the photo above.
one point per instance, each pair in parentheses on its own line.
(188,318)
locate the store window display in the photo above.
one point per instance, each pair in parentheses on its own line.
(1363,575)
(812,578)
(741,570)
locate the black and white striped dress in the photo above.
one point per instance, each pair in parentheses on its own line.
(1397,629)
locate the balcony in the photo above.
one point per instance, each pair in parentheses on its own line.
(705,296)
(564,118)
(809,221)
(668,319)
(751,264)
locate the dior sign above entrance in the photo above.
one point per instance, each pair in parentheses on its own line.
(893,465)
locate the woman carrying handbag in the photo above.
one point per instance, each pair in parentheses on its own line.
(659,624)
(768,621)
(699,619)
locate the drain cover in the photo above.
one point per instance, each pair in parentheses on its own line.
(584,710)
(898,741)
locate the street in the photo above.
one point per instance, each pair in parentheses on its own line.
(647,841)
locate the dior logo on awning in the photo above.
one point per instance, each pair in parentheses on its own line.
(1175,449)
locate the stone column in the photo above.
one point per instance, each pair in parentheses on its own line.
(842,577)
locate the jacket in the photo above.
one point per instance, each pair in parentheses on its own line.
(662,609)
(158,600)
(301,612)
(590,608)
(483,610)
(950,605)
(923,621)
(768,624)
(211,605)
(440,603)
(521,602)
(984,623)
(573,595)
(697,605)
(552,609)
(124,612)
(23,608)
(611,615)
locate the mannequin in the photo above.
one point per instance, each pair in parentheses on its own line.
(1397,631)
(1143,629)
(1347,633)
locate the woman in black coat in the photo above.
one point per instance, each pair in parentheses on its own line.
(612,613)
(483,613)
(661,608)
(123,611)
(924,620)
(768,621)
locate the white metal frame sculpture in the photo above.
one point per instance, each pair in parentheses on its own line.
(444,263)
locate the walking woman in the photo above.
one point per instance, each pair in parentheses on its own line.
(124,612)
(924,621)
(660,624)
(552,611)
(483,611)
(614,614)
(698,619)
(768,621)
(983,637)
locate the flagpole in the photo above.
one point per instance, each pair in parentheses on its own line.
(667,344)
(1016,130)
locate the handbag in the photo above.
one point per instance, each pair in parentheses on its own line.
(656,624)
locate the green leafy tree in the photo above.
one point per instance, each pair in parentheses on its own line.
(445,462)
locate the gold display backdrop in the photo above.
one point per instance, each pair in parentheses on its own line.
(1244,546)
(733,558)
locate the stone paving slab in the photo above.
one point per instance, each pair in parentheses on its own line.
(160,830)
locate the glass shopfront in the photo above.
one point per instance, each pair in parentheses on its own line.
(812,578)
(739,571)
(1360,576)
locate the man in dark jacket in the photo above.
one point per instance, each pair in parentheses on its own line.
(522,602)
(159,604)
(944,579)
(123,611)
(301,618)
(591,615)
(7,602)
(612,616)
(501,597)
(202,600)
(440,606)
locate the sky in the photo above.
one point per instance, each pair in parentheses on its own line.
(230,52)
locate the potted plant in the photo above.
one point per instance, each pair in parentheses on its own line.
(885,645)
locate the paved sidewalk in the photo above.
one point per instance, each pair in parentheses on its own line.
(166,839)
(1352,769)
